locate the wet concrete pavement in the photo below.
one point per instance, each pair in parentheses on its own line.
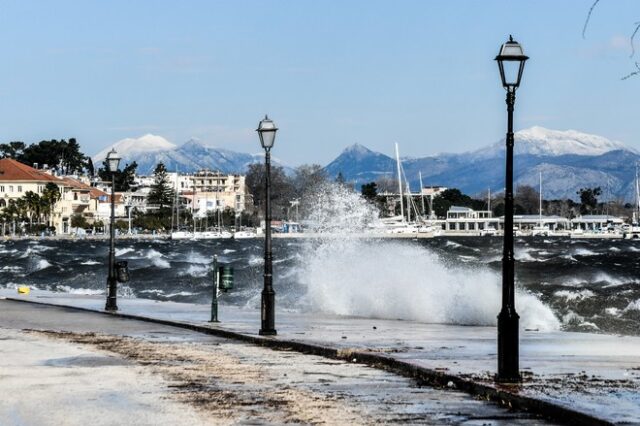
(215,380)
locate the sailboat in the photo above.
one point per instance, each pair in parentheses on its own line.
(540,230)
(177,234)
(634,230)
(403,223)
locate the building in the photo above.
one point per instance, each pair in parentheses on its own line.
(466,219)
(596,222)
(76,196)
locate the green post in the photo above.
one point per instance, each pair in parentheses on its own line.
(214,299)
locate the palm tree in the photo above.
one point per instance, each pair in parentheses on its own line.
(50,196)
(32,201)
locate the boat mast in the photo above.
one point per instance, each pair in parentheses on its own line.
(540,206)
(409,200)
(399,182)
(637,212)
(424,211)
(193,206)
(489,199)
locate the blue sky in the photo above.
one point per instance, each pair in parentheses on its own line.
(329,73)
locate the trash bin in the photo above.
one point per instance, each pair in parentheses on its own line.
(226,277)
(122,271)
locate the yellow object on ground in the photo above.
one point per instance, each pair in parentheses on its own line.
(23,289)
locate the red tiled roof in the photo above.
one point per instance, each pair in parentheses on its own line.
(12,170)
(93,192)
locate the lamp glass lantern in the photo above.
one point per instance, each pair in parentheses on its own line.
(267,131)
(113,160)
(511,61)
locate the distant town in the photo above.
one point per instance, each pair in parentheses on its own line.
(51,188)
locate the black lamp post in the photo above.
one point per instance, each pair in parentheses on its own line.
(113,161)
(511,61)
(267,132)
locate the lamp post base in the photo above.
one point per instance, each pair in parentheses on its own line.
(508,347)
(268,313)
(111,305)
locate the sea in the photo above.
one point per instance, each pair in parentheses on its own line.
(562,284)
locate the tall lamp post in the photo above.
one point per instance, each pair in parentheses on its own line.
(511,61)
(113,161)
(267,132)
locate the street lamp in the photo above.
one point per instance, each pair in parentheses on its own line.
(113,161)
(511,61)
(267,132)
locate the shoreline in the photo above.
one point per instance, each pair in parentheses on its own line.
(568,376)
(311,235)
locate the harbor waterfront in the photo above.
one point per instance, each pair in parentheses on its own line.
(563,283)
(573,378)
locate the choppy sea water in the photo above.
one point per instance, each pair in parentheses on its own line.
(578,285)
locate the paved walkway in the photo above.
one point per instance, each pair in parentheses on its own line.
(594,374)
(88,368)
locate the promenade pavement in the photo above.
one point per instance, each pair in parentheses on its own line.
(598,375)
(65,366)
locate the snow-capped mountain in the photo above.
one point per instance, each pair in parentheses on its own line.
(149,150)
(131,147)
(545,142)
(569,160)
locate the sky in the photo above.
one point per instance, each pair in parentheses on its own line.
(329,73)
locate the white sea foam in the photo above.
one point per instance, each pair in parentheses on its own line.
(180,293)
(194,270)
(255,261)
(90,262)
(632,306)
(41,264)
(157,260)
(399,281)
(85,291)
(124,250)
(575,295)
(581,251)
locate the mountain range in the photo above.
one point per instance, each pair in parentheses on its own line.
(568,160)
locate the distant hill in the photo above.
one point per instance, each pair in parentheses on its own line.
(568,160)
(149,150)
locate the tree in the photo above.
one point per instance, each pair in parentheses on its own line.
(340,179)
(588,199)
(281,188)
(161,191)
(73,160)
(526,200)
(450,197)
(50,196)
(307,178)
(632,37)
(369,191)
(89,166)
(12,149)
(124,178)
(79,221)
(33,205)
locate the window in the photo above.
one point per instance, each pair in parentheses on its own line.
(10,188)
(1,188)
(472,226)
(452,226)
(19,188)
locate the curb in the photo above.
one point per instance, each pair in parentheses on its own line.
(501,395)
